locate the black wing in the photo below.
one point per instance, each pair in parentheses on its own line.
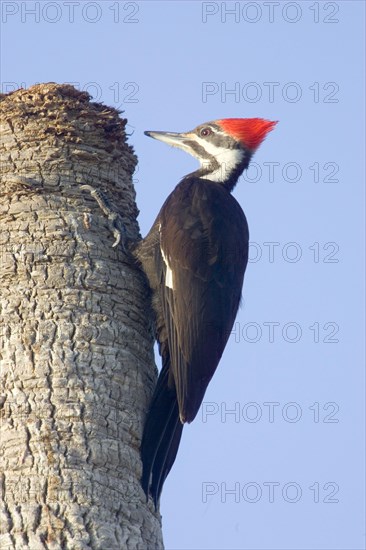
(204,242)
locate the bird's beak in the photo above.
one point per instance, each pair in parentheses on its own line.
(171,138)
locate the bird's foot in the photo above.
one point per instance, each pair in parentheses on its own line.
(117,226)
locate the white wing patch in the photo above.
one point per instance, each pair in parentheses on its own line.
(169,273)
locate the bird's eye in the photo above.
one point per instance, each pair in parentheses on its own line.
(205,132)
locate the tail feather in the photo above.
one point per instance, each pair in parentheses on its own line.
(166,454)
(161,437)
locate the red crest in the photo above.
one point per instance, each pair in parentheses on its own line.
(250,131)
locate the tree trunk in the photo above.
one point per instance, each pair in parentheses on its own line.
(76,345)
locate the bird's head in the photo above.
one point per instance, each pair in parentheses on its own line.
(224,147)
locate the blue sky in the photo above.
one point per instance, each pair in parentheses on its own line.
(285,469)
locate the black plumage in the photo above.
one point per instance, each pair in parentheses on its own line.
(204,235)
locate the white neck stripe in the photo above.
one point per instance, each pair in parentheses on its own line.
(228,160)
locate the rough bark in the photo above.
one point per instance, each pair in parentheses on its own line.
(77,365)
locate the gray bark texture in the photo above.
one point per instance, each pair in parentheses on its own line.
(76,344)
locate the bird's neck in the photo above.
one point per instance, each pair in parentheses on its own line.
(225,169)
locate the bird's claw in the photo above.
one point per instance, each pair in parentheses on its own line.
(117,226)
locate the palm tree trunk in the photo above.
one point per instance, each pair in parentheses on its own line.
(76,344)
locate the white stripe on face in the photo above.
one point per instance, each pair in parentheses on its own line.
(228,160)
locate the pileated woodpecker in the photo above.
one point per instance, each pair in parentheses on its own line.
(194,257)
